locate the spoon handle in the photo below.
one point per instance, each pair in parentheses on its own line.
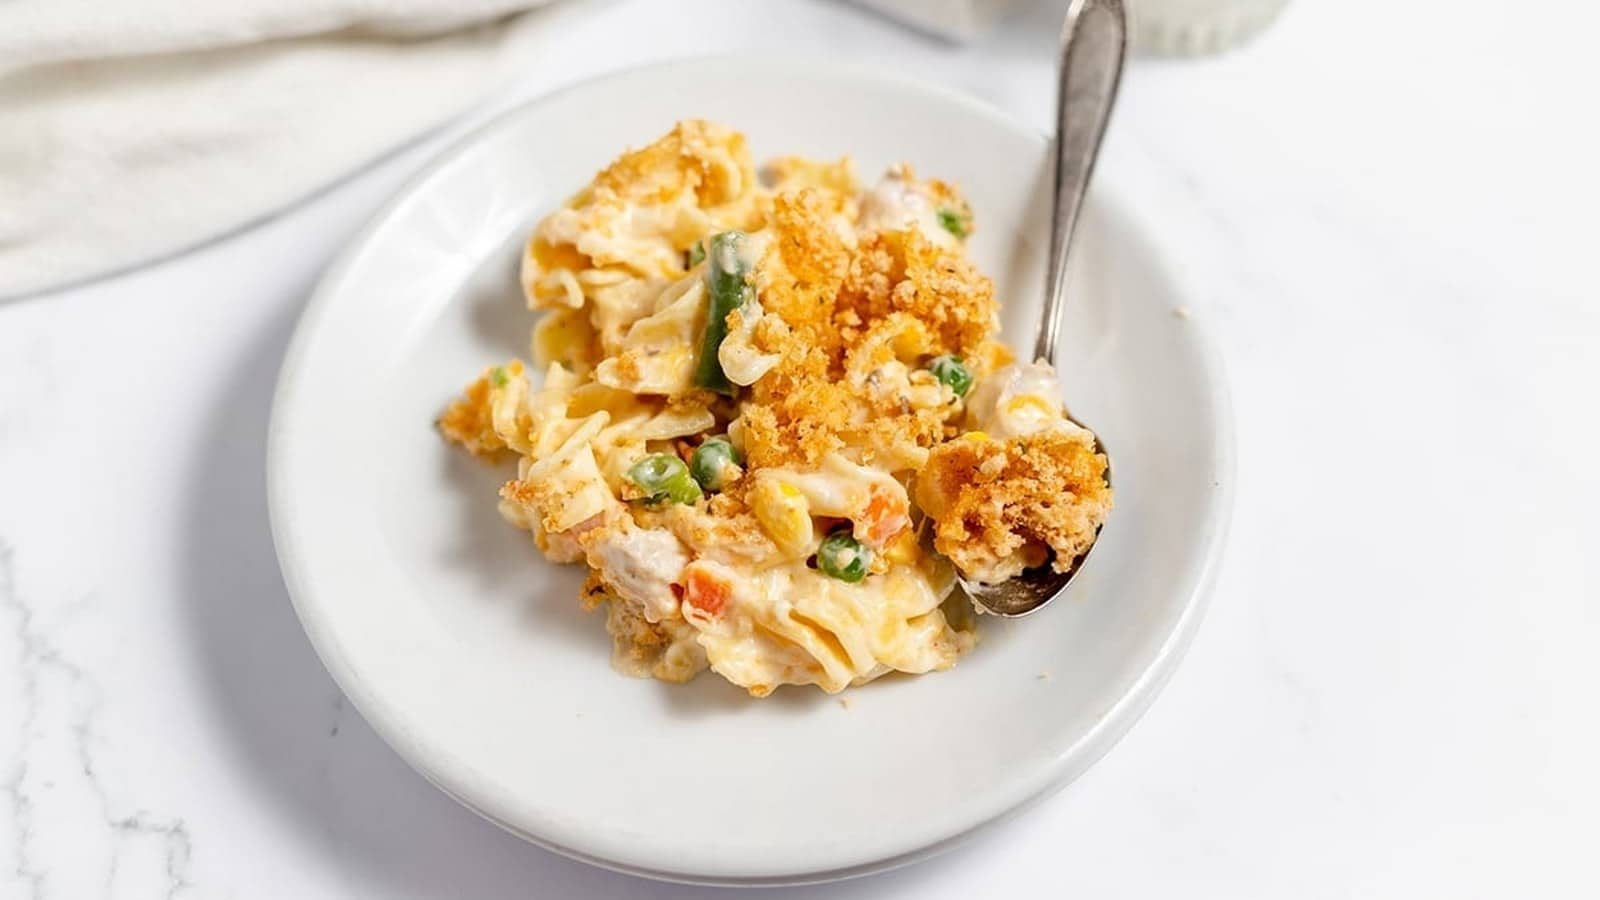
(1093,41)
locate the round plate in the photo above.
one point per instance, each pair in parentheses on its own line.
(470,654)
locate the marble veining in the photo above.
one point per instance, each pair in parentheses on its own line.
(59,702)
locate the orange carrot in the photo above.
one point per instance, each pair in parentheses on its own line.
(705,590)
(886,514)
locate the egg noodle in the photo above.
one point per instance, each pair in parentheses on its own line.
(754,391)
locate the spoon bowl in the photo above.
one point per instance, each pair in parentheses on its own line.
(1033,588)
(1093,44)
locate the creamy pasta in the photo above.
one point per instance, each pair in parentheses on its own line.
(772,418)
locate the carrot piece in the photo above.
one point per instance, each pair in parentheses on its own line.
(704,590)
(886,514)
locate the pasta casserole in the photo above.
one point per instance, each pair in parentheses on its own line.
(772,417)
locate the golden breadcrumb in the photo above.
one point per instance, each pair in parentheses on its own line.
(689,157)
(989,498)
(804,266)
(950,203)
(637,218)
(904,271)
(724,530)
(550,495)
(469,421)
(834,182)
(840,309)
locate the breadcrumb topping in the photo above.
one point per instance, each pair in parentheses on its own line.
(694,156)
(902,271)
(469,421)
(990,500)
(843,311)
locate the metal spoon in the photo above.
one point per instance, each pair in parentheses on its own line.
(1093,42)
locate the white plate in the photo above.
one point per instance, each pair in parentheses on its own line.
(471,656)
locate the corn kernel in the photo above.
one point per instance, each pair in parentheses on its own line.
(1029,403)
(1030,408)
(977,437)
(782,510)
(902,551)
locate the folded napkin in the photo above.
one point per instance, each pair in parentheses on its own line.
(133,129)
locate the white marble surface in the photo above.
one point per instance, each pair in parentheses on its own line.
(1382,212)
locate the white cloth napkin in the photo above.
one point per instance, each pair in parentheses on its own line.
(129,130)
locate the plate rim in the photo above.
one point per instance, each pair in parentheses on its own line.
(1061,769)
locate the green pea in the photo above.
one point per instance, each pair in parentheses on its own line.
(499,377)
(713,463)
(663,476)
(953,372)
(843,557)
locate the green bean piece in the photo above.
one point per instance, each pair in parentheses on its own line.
(728,289)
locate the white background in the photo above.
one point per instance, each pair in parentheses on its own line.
(1383,211)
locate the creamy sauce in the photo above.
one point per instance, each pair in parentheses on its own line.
(897,204)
